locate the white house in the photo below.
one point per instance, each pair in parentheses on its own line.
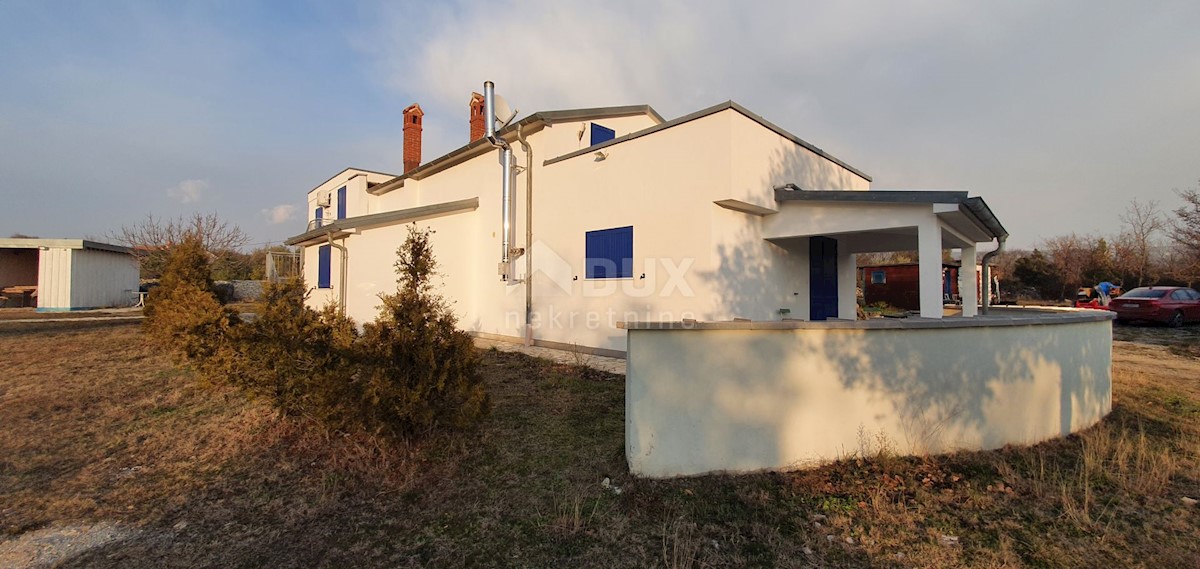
(617,215)
(67,274)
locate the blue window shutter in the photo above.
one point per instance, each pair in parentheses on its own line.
(609,253)
(622,242)
(593,242)
(323,266)
(602,134)
(318,214)
(341,213)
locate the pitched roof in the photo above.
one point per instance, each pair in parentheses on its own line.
(350,170)
(727,105)
(537,119)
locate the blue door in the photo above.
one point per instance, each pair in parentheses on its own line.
(323,266)
(822,276)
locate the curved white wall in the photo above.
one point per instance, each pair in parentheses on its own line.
(779,395)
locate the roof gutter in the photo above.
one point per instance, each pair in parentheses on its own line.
(528,236)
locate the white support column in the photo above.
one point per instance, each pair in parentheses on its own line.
(967,282)
(929,253)
(847,286)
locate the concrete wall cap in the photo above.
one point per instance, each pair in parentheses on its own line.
(1025,318)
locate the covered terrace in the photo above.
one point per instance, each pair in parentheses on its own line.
(837,225)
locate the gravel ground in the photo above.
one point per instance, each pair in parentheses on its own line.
(602,363)
(54,545)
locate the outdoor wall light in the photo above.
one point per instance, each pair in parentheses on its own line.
(600,156)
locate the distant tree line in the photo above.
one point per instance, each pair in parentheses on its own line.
(1152,247)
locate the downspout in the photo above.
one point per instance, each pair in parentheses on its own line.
(528,236)
(987,273)
(342,276)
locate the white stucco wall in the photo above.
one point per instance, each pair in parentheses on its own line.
(358,202)
(741,400)
(764,159)
(700,260)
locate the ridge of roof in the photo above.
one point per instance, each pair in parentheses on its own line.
(344,170)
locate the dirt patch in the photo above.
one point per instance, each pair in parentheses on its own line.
(33,314)
(1183,341)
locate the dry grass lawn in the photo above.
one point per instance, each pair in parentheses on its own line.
(102,433)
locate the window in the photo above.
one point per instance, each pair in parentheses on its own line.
(341,213)
(878,277)
(609,253)
(323,266)
(318,214)
(1180,295)
(602,134)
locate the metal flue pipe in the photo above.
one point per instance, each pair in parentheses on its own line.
(489,112)
(506,210)
(506,163)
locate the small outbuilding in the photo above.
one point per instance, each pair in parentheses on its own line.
(66,274)
(899,284)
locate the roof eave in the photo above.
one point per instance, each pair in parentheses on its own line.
(343,226)
(974,205)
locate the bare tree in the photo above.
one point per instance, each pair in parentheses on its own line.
(1070,255)
(1134,247)
(1185,231)
(152,239)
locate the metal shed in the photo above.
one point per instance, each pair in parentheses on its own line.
(66,274)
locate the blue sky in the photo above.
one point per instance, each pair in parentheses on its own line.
(1056,113)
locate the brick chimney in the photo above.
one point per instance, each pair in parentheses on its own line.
(413,115)
(476,106)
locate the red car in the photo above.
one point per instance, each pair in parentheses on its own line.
(1171,305)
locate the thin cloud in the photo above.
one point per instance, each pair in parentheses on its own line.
(188,191)
(279,214)
(1019,102)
